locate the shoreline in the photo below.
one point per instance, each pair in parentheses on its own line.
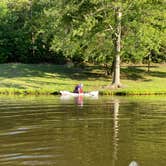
(118,92)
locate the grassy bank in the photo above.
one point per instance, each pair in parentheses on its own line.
(50,79)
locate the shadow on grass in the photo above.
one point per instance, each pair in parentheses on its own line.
(140,73)
(158,74)
(9,85)
(132,73)
(49,71)
(88,72)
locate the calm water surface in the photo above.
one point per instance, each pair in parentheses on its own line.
(82,132)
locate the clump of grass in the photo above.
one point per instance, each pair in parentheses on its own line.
(14,91)
(106,92)
(124,92)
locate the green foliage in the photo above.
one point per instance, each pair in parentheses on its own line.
(81,31)
(145,30)
(25,35)
(33,31)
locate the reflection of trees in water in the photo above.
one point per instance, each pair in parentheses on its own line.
(98,129)
(115,130)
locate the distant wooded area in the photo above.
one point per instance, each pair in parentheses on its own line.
(59,31)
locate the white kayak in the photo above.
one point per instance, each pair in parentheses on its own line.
(67,93)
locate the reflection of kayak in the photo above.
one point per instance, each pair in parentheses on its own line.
(67,93)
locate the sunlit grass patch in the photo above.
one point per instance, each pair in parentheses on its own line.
(50,79)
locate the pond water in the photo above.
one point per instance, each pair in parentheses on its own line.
(83,132)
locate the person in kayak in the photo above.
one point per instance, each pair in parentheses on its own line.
(78,88)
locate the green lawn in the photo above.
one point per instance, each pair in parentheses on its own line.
(47,79)
(139,81)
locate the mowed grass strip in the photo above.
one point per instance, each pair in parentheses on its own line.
(16,78)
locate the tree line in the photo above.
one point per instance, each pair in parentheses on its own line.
(97,31)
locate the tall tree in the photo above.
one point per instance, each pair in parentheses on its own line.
(87,29)
(116,72)
(95,30)
(91,28)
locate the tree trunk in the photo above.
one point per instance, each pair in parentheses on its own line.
(116,71)
(112,66)
(149,60)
